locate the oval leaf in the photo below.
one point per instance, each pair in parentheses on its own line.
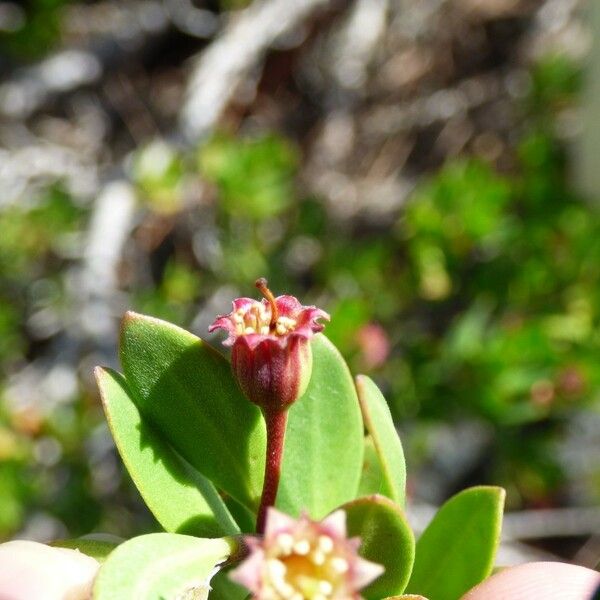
(323,453)
(378,422)
(244,517)
(406,597)
(387,539)
(372,477)
(457,550)
(181,499)
(186,390)
(223,588)
(160,565)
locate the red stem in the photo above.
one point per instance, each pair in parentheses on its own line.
(276,424)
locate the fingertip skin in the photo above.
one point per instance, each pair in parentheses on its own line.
(30,570)
(547,580)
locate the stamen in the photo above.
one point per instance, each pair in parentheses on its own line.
(285,541)
(339,564)
(325,544)
(263,286)
(325,587)
(302,547)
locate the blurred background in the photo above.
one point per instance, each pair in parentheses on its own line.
(425,170)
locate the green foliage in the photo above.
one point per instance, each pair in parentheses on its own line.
(386,443)
(178,397)
(160,565)
(556,78)
(323,450)
(30,232)
(372,479)
(13,495)
(179,497)
(387,540)
(457,550)
(173,297)
(37,32)
(223,588)
(185,389)
(254,177)
(32,248)
(37,241)
(158,170)
(98,549)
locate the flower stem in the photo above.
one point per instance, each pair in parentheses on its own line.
(276,421)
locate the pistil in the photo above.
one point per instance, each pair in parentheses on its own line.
(263,286)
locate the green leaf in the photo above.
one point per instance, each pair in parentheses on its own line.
(181,499)
(378,422)
(323,453)
(457,549)
(387,539)
(160,565)
(224,588)
(406,597)
(98,549)
(244,517)
(186,390)
(372,477)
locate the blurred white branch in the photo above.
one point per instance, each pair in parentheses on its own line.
(32,166)
(585,165)
(199,22)
(357,41)
(559,522)
(66,70)
(222,65)
(62,71)
(110,226)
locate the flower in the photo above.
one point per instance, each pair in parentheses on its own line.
(305,560)
(271,355)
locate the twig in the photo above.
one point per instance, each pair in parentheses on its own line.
(223,64)
(110,226)
(67,70)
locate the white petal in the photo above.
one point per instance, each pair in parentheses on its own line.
(365,572)
(336,523)
(277,521)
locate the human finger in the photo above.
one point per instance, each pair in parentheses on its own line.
(32,570)
(538,580)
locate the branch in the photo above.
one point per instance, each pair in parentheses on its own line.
(224,63)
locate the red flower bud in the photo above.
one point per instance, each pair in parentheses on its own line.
(271,355)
